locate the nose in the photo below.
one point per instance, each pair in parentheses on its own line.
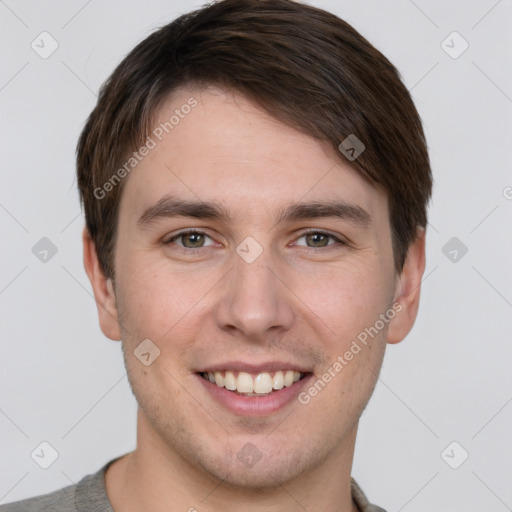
(255,298)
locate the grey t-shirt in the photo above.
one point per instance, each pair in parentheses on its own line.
(90,495)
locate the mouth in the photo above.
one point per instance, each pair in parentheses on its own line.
(259,384)
(254,390)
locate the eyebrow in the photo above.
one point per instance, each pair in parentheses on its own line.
(169,206)
(340,209)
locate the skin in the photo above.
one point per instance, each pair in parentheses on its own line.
(204,306)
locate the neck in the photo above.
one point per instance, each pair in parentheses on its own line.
(154,477)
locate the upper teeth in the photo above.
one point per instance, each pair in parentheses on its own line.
(262,383)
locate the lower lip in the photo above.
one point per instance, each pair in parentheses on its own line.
(255,405)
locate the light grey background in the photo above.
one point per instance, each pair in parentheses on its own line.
(64,383)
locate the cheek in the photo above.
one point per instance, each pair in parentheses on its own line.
(345,300)
(353,338)
(350,305)
(157,300)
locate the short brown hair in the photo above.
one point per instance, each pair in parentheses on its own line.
(303,65)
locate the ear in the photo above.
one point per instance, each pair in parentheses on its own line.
(102,288)
(407,290)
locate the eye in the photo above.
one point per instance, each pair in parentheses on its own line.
(190,239)
(319,239)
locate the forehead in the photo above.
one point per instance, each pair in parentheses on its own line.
(218,146)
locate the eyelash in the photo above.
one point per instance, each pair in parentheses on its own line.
(304,233)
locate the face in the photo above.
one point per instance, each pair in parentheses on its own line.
(252,256)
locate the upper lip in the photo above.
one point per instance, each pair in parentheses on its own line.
(269,366)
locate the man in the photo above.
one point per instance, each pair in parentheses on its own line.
(255,181)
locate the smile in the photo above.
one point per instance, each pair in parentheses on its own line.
(254,390)
(260,384)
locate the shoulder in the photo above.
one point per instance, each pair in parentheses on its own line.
(88,495)
(61,500)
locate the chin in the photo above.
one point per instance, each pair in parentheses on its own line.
(263,476)
(252,469)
